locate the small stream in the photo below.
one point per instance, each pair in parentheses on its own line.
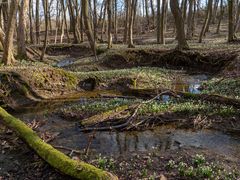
(160,139)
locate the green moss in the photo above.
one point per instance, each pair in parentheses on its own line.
(76,169)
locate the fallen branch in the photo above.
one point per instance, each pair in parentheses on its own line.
(104,116)
(58,160)
(130,119)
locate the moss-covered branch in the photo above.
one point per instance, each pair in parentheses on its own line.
(58,160)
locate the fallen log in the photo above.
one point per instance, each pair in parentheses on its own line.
(104,116)
(57,159)
(146,93)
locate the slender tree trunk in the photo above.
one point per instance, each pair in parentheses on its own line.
(30,15)
(237,23)
(158,20)
(132,5)
(22,53)
(207,19)
(190,20)
(163,21)
(220,17)
(215,8)
(126,21)
(8,43)
(109,7)
(45,8)
(88,29)
(37,22)
(230,21)
(153,13)
(116,21)
(65,19)
(147,14)
(179,23)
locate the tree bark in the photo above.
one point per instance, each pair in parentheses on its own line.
(22,53)
(37,22)
(230,21)
(88,29)
(8,43)
(207,20)
(179,23)
(220,17)
(45,7)
(109,10)
(190,22)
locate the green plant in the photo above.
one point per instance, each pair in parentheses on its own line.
(204,171)
(199,159)
(171,164)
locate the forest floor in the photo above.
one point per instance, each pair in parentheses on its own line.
(171,136)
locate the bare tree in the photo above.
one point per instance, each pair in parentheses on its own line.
(179,23)
(8,42)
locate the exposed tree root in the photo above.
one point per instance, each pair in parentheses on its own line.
(58,160)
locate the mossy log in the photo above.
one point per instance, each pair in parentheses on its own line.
(57,159)
(104,116)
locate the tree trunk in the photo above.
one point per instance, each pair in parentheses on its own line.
(230,21)
(163,21)
(88,29)
(190,20)
(215,11)
(30,15)
(65,19)
(206,22)
(153,13)
(179,23)
(158,20)
(22,53)
(132,5)
(116,21)
(8,43)
(220,17)
(109,8)
(37,22)
(147,14)
(126,21)
(58,160)
(45,8)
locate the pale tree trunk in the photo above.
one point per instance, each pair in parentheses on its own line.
(215,8)
(163,21)
(132,6)
(158,20)
(237,23)
(126,21)
(220,17)
(116,21)
(88,28)
(179,23)
(147,14)
(22,53)
(153,13)
(45,7)
(109,7)
(190,22)
(8,43)
(57,23)
(65,19)
(30,15)
(207,20)
(103,19)
(37,22)
(230,21)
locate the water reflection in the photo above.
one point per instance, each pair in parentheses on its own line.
(160,139)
